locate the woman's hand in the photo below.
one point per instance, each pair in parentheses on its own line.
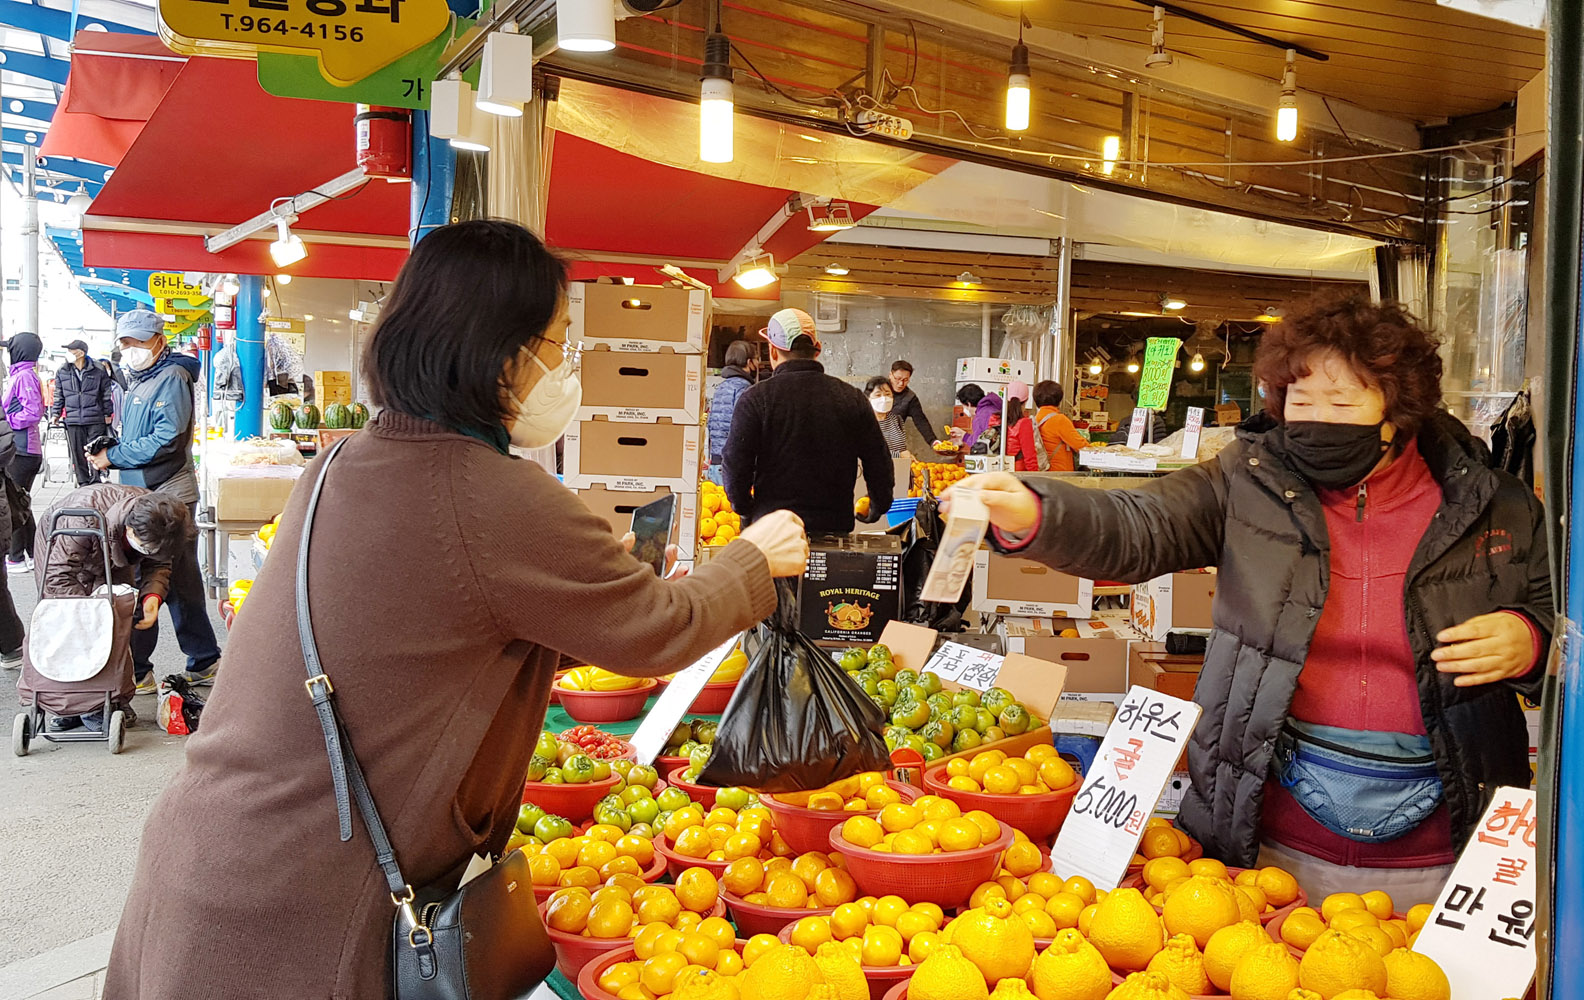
(780,536)
(1486,649)
(1014,508)
(672,554)
(151,606)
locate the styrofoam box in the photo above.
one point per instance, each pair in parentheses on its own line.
(638,318)
(633,458)
(642,387)
(997,371)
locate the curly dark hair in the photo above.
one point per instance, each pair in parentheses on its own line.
(161,523)
(1381,341)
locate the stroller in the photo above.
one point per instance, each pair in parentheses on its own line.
(78,656)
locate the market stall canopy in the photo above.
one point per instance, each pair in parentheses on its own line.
(116,83)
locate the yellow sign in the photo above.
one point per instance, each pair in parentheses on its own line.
(352,38)
(162,285)
(284,325)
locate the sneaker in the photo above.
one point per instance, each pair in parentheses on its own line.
(204,677)
(18,567)
(148,685)
(93,721)
(62,723)
(11,660)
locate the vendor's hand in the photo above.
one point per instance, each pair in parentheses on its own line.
(99,459)
(780,536)
(1014,508)
(672,554)
(151,606)
(1485,649)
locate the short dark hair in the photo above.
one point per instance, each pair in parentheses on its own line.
(970,395)
(901,366)
(875,383)
(160,522)
(740,352)
(1381,341)
(802,350)
(1048,393)
(471,296)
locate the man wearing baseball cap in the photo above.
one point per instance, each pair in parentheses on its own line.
(797,439)
(82,404)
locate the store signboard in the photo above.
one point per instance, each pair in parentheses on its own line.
(1122,788)
(1482,928)
(351,39)
(1191,429)
(403,84)
(1160,365)
(162,285)
(675,701)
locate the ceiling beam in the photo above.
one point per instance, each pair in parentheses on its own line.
(61,165)
(53,22)
(37,66)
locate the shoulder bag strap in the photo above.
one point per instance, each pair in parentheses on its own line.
(345,772)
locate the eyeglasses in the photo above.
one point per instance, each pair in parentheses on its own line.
(571,357)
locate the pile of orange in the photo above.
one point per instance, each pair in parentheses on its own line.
(992,772)
(811,881)
(929,825)
(1046,903)
(859,793)
(724,834)
(1255,891)
(1364,915)
(588,860)
(625,908)
(1162,840)
(718,523)
(667,967)
(880,932)
(936,475)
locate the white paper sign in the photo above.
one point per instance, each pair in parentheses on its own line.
(1136,432)
(675,701)
(1191,429)
(964,665)
(1122,788)
(1482,929)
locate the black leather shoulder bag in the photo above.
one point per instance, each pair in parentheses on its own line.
(484,941)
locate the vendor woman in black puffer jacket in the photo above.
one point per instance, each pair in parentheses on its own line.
(1382,596)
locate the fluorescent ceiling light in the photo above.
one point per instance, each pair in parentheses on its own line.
(756,272)
(1110,152)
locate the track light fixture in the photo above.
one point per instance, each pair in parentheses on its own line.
(287,249)
(756,272)
(506,73)
(586,25)
(1158,58)
(831,218)
(1287,106)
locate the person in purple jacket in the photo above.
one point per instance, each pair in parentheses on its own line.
(24,410)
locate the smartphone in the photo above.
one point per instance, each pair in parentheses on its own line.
(651,524)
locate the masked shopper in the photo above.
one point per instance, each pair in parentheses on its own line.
(425,508)
(737,377)
(1382,596)
(882,399)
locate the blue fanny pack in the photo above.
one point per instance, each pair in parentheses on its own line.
(1362,785)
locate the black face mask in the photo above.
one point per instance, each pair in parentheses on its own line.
(1333,456)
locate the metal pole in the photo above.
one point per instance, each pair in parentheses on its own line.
(434,175)
(1062,347)
(984,329)
(249,334)
(30,248)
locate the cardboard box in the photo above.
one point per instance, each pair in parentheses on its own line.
(1228,415)
(851,590)
(1007,585)
(617,506)
(1149,665)
(989,373)
(1177,602)
(642,388)
(325,378)
(635,458)
(1096,660)
(639,318)
(248,496)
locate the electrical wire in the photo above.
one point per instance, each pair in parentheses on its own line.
(918,103)
(835,100)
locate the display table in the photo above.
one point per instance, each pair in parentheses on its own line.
(557,720)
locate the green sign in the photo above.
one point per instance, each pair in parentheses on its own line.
(402,84)
(1160,364)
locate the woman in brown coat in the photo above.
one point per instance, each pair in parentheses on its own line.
(448,580)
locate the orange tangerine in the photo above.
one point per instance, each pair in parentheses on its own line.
(697,889)
(962,834)
(1014,887)
(644,944)
(899,816)
(660,972)
(887,909)
(719,930)
(1339,901)
(1044,884)
(910,842)
(1064,908)
(640,849)
(729,964)
(544,869)
(807,866)
(786,891)
(620,865)
(743,876)
(861,831)
(659,909)
(849,920)
(811,932)
(882,946)
(565,851)
(913,923)
(834,886)
(988,825)
(699,949)
(984,891)
(1080,887)
(939,809)
(757,946)
(1000,780)
(693,842)
(1022,860)
(741,845)
(1210,867)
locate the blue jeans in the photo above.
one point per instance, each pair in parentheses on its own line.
(189,614)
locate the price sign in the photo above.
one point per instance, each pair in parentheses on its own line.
(1123,786)
(675,701)
(1482,929)
(1160,365)
(162,285)
(1136,432)
(283,325)
(965,666)
(1191,429)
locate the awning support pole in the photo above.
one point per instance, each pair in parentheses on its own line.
(249,336)
(434,173)
(30,246)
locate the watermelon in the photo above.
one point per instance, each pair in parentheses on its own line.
(359,415)
(337,416)
(281,416)
(308,417)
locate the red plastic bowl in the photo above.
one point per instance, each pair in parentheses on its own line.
(1194,853)
(755,918)
(588,978)
(677,864)
(884,980)
(1136,881)
(1274,926)
(897,992)
(606,706)
(714,698)
(704,795)
(654,873)
(665,765)
(947,880)
(573,802)
(1038,816)
(574,952)
(806,829)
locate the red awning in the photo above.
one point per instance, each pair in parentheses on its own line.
(116,83)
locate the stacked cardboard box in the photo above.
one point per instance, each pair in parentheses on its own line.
(637,435)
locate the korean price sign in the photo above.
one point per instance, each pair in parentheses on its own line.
(966,666)
(1160,365)
(1128,778)
(1482,928)
(675,701)
(351,38)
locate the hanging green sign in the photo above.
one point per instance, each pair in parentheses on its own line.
(1160,365)
(403,84)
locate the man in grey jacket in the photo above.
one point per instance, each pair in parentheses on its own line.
(905,402)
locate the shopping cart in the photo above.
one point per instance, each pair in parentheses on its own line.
(77,659)
(57,457)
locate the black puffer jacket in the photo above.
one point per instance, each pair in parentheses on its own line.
(83,394)
(1249,514)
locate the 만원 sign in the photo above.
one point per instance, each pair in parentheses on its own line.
(352,38)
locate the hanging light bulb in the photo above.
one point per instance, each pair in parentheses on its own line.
(1132,366)
(1094,366)
(1110,151)
(1158,57)
(1287,106)
(715,100)
(80,202)
(284,279)
(1018,99)
(1197,364)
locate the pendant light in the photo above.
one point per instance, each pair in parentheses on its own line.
(1287,106)
(1018,98)
(715,98)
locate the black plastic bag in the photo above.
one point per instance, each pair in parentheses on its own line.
(180,708)
(919,553)
(796,721)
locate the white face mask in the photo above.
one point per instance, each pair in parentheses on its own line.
(136,545)
(137,358)
(551,405)
(881,404)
